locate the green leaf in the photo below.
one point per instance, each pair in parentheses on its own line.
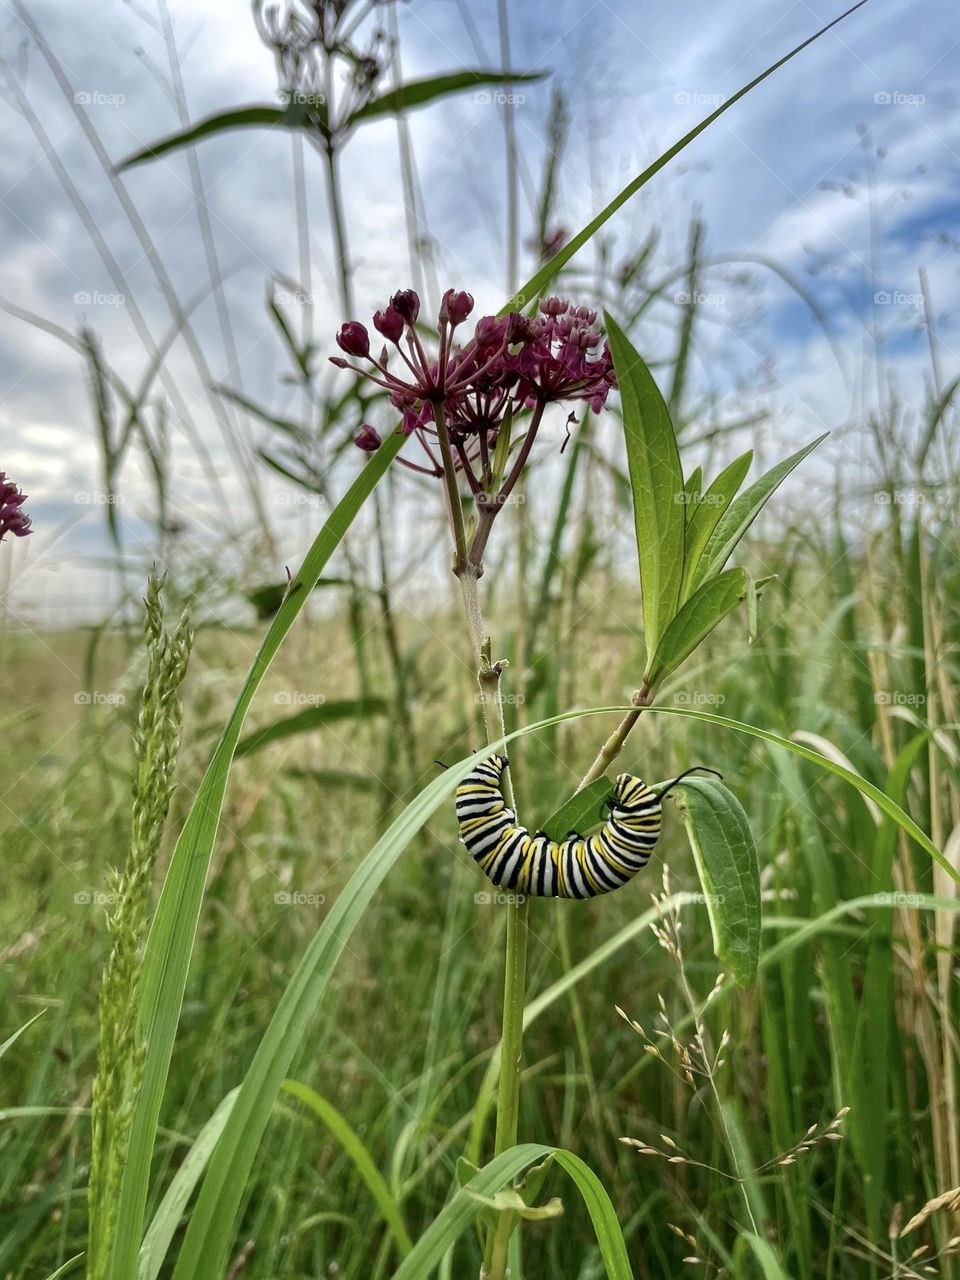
(259,116)
(726,856)
(170,942)
(510,1201)
(742,512)
(708,606)
(692,493)
(419,92)
(457,1215)
(310,719)
(581,812)
(657,482)
(707,513)
(169,1212)
(328,1114)
(537,284)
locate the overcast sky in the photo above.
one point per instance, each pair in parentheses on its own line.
(785,175)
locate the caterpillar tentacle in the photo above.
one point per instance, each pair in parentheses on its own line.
(534,865)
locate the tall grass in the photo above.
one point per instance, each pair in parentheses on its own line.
(330,1082)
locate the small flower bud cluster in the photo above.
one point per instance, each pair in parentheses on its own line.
(13,519)
(512,362)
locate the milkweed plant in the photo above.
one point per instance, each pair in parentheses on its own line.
(474,409)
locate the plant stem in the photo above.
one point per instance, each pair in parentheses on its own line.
(455,510)
(515,960)
(614,744)
(344,272)
(511,1055)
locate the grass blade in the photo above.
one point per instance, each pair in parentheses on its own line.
(170,943)
(328,1114)
(309,720)
(536,285)
(17,1034)
(166,1220)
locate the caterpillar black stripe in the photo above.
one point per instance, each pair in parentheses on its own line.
(576,867)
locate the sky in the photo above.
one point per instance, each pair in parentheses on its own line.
(841,170)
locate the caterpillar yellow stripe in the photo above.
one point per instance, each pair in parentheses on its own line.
(536,866)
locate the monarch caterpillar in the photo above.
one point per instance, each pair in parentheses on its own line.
(577,867)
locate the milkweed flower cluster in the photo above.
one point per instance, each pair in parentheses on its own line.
(13,519)
(470,389)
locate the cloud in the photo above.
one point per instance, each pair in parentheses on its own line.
(635,80)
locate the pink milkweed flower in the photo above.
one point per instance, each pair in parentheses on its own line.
(559,360)
(423,386)
(512,362)
(13,519)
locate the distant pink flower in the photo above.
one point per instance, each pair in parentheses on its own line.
(13,519)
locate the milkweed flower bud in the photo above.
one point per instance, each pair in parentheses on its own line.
(455,306)
(407,304)
(354,339)
(368,438)
(389,322)
(13,519)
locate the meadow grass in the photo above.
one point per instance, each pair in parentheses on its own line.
(412,1013)
(315,1084)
